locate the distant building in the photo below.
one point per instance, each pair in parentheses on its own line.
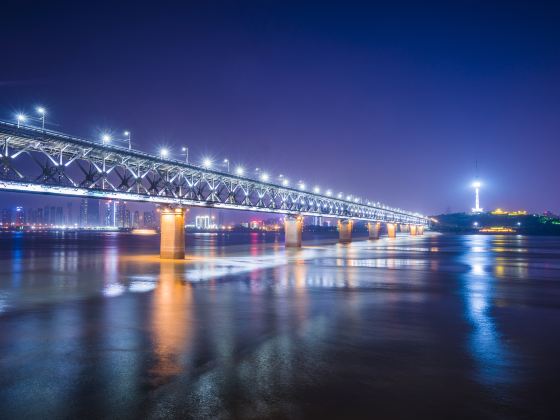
(20,217)
(136,219)
(93,212)
(59,218)
(149,219)
(202,222)
(109,218)
(83,217)
(6,217)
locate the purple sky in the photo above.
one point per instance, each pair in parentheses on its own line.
(393,102)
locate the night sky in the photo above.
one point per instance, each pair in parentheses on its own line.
(390,101)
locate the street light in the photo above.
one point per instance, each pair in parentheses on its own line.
(239,171)
(20,119)
(128,136)
(226,162)
(42,111)
(264,177)
(316,190)
(163,153)
(185,151)
(329,193)
(285,182)
(301,185)
(106,138)
(207,163)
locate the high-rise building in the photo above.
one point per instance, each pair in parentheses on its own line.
(127,219)
(92,212)
(83,218)
(46,216)
(69,214)
(149,219)
(6,216)
(136,220)
(52,215)
(120,214)
(40,216)
(59,218)
(20,216)
(109,214)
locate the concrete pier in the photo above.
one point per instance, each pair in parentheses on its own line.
(413,230)
(373,229)
(420,230)
(392,230)
(293,227)
(345,231)
(172,244)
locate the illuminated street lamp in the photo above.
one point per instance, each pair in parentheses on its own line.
(20,119)
(207,163)
(329,193)
(185,152)
(316,190)
(226,162)
(106,138)
(239,171)
(264,177)
(163,153)
(285,182)
(42,112)
(301,185)
(128,136)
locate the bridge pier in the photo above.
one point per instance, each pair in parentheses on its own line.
(293,227)
(373,230)
(345,231)
(172,245)
(392,230)
(413,230)
(420,230)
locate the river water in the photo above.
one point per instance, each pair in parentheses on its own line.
(94,325)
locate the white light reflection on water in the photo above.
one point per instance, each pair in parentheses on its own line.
(485,343)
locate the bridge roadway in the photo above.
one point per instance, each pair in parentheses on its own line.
(42,161)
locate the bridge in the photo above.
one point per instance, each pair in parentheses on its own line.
(42,161)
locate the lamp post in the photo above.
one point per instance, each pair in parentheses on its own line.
(226,162)
(185,151)
(20,119)
(163,153)
(128,136)
(42,111)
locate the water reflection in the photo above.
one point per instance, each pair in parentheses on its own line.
(172,322)
(102,327)
(486,343)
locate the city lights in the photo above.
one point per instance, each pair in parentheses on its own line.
(207,163)
(316,190)
(239,171)
(163,153)
(264,177)
(285,182)
(106,138)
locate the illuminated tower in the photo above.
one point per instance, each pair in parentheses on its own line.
(477,208)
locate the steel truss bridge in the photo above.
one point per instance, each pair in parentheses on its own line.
(47,162)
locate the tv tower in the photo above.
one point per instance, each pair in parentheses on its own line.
(476,185)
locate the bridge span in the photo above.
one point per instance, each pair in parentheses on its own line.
(46,162)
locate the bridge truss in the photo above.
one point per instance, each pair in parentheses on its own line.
(40,161)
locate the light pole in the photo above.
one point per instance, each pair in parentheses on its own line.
(226,162)
(128,136)
(20,119)
(106,138)
(42,111)
(163,153)
(185,151)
